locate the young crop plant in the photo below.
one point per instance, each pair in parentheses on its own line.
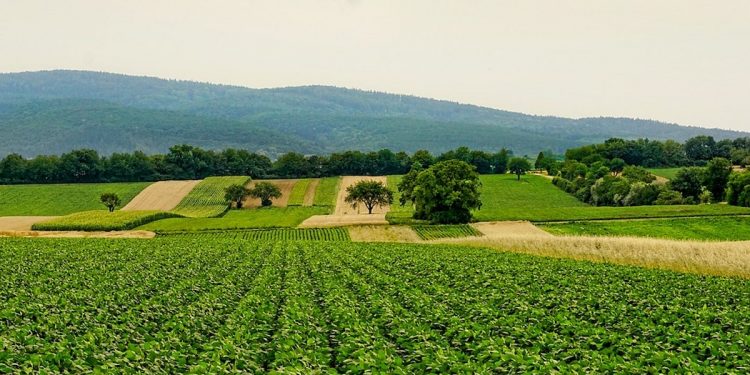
(227,305)
(281,234)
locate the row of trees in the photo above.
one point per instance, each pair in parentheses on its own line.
(696,151)
(611,184)
(190,162)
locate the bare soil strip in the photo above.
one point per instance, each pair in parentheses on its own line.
(499,229)
(310,193)
(55,234)
(321,221)
(383,233)
(14,223)
(285,186)
(161,196)
(343,208)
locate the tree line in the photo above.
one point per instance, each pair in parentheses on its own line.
(190,162)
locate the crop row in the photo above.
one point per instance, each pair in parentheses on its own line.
(434,232)
(207,198)
(286,234)
(214,305)
(102,220)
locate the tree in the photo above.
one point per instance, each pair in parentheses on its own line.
(519,166)
(717,176)
(111,200)
(701,148)
(737,189)
(500,161)
(444,193)
(235,193)
(370,193)
(688,181)
(265,191)
(541,161)
(616,165)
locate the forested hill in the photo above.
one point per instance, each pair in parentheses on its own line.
(55,111)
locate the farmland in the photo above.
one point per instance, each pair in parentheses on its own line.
(434,232)
(179,305)
(534,198)
(207,198)
(61,199)
(102,220)
(704,228)
(668,173)
(266,217)
(327,191)
(285,234)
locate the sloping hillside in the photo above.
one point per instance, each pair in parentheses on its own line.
(55,111)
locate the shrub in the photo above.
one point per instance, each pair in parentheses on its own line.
(669,197)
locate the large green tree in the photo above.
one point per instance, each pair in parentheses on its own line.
(716,177)
(370,193)
(445,193)
(265,191)
(519,166)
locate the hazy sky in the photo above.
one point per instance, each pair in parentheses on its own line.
(678,61)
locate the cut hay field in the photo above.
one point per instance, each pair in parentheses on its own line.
(161,196)
(265,217)
(207,198)
(703,228)
(213,305)
(535,199)
(61,199)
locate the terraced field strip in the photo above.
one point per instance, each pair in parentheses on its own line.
(286,187)
(435,232)
(285,234)
(343,208)
(214,305)
(297,196)
(207,198)
(327,191)
(161,196)
(312,189)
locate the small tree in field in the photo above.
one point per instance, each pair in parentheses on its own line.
(235,194)
(370,193)
(111,200)
(265,191)
(519,166)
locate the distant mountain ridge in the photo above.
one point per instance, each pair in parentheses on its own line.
(55,111)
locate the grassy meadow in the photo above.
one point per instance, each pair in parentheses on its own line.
(668,173)
(327,191)
(62,199)
(263,217)
(703,228)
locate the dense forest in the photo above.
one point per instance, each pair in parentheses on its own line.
(56,111)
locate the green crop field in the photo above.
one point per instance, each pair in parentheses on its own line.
(265,217)
(703,228)
(668,173)
(179,305)
(207,198)
(102,220)
(61,199)
(286,234)
(434,232)
(297,196)
(534,198)
(328,189)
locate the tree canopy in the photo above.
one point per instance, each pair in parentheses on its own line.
(265,191)
(370,193)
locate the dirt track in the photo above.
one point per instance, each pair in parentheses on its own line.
(309,199)
(343,208)
(161,196)
(14,223)
(285,186)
